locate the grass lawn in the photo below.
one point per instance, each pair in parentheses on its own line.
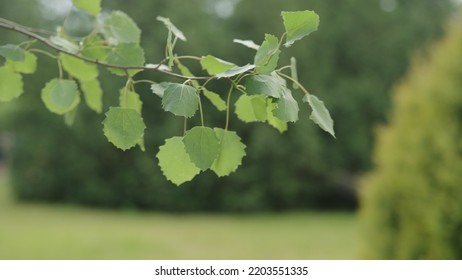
(39,231)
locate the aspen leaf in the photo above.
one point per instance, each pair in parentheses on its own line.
(60,96)
(320,114)
(77,68)
(175,163)
(11,85)
(236,71)
(248,43)
(267,57)
(251,108)
(202,146)
(287,107)
(130,99)
(126,54)
(181,100)
(123,127)
(280,125)
(264,84)
(28,66)
(172,28)
(93,95)
(215,65)
(299,24)
(231,152)
(12,52)
(159,89)
(118,27)
(215,99)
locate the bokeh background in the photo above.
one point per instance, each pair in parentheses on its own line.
(389,186)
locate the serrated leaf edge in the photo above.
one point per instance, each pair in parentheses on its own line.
(162,170)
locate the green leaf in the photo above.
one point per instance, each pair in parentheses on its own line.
(77,68)
(126,54)
(159,89)
(130,99)
(287,109)
(93,95)
(320,114)
(181,100)
(215,99)
(12,52)
(280,125)
(202,146)
(60,96)
(270,85)
(248,43)
(251,108)
(123,127)
(215,65)
(294,72)
(11,85)
(118,28)
(267,57)
(235,71)
(299,25)
(175,162)
(94,47)
(90,6)
(231,152)
(172,28)
(28,66)
(64,44)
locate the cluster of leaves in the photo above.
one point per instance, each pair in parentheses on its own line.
(115,44)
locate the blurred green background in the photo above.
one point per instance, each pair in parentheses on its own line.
(296,194)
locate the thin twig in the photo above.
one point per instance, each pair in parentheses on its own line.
(9,25)
(305,91)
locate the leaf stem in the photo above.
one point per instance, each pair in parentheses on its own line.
(305,91)
(239,79)
(206,82)
(200,109)
(228,105)
(283,68)
(185,125)
(238,87)
(144,81)
(282,39)
(125,91)
(60,68)
(188,57)
(43,52)
(28,43)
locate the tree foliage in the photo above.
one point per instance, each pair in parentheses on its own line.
(114,43)
(412,201)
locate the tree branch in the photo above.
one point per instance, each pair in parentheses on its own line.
(9,25)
